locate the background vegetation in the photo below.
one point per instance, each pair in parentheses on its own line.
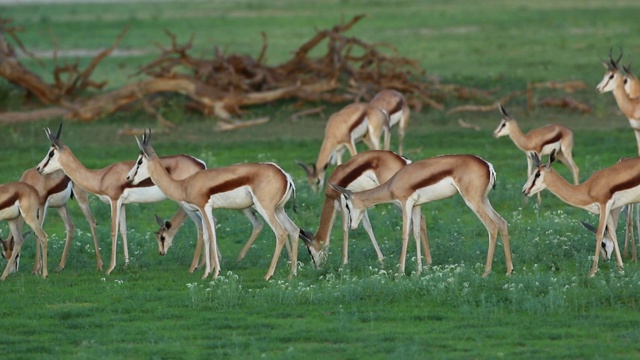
(155,309)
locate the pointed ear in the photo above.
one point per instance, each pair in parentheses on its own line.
(503,111)
(306,237)
(552,157)
(146,137)
(140,146)
(346,192)
(536,159)
(588,226)
(55,140)
(159,220)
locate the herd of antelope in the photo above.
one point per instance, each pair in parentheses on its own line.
(366,179)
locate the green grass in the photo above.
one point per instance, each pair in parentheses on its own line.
(154,308)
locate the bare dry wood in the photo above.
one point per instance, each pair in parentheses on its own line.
(566,102)
(226,125)
(223,85)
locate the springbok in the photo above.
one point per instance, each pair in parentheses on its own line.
(263,186)
(543,140)
(355,122)
(55,190)
(397,108)
(364,171)
(111,186)
(603,194)
(434,179)
(19,200)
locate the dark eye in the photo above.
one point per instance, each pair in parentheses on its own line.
(51,153)
(611,77)
(537,174)
(139,162)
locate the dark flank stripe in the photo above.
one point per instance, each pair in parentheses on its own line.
(60,186)
(355,173)
(357,123)
(555,138)
(631,183)
(228,185)
(433,179)
(9,201)
(397,107)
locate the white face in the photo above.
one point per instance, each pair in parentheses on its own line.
(51,161)
(140,171)
(608,82)
(353,213)
(318,257)
(165,239)
(607,247)
(535,183)
(502,129)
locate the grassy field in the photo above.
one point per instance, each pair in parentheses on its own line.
(154,308)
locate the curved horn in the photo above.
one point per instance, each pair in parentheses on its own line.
(59,131)
(309,170)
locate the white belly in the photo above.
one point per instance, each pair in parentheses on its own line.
(240,198)
(441,190)
(61,198)
(149,194)
(625,197)
(547,149)
(634,124)
(10,212)
(366,181)
(395,118)
(359,132)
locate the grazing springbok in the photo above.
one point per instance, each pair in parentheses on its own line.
(397,108)
(355,122)
(18,201)
(543,140)
(111,186)
(168,230)
(364,171)
(263,186)
(433,179)
(604,193)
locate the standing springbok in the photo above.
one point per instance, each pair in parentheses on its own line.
(626,91)
(364,171)
(542,140)
(355,122)
(433,179)
(397,108)
(55,190)
(110,184)
(263,186)
(603,194)
(20,200)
